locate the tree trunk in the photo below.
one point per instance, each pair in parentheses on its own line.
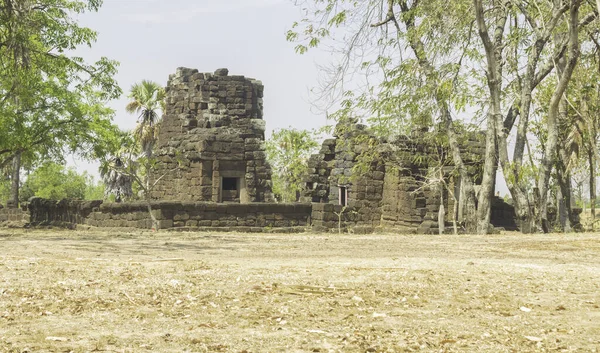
(13,201)
(455,213)
(466,184)
(493,45)
(155,224)
(523,207)
(418,47)
(441,214)
(561,213)
(563,194)
(525,213)
(550,151)
(592,163)
(567,191)
(455,210)
(488,184)
(564,209)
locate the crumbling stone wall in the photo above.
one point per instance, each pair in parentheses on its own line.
(320,165)
(64,213)
(212,129)
(327,217)
(412,199)
(407,205)
(331,172)
(174,215)
(13,217)
(199,216)
(391,187)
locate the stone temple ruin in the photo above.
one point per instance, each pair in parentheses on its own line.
(392,191)
(212,174)
(213,129)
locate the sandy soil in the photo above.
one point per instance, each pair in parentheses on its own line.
(120,292)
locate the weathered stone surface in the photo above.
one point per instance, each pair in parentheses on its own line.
(388,192)
(13,217)
(211,119)
(169,214)
(222,72)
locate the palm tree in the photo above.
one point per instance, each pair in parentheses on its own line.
(117,182)
(147,98)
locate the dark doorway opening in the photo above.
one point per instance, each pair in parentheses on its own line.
(230,184)
(230,189)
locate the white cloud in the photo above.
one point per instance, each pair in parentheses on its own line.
(201,7)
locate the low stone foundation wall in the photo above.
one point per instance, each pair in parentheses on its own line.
(253,217)
(503,215)
(327,217)
(64,213)
(13,217)
(120,215)
(209,216)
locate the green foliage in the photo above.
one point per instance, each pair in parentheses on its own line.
(126,170)
(4,185)
(147,98)
(403,65)
(128,173)
(94,189)
(56,182)
(390,88)
(51,102)
(288,151)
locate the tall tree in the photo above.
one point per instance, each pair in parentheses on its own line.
(414,56)
(51,102)
(546,34)
(579,119)
(431,63)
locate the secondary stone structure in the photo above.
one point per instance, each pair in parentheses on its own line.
(365,183)
(211,142)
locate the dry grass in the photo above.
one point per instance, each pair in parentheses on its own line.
(118,292)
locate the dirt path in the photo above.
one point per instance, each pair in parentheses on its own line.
(119,292)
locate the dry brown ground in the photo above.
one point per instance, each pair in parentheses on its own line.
(118,292)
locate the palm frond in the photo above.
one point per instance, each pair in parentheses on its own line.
(147,99)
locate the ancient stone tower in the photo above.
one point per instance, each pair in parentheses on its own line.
(211,142)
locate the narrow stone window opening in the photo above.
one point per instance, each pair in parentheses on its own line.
(343,192)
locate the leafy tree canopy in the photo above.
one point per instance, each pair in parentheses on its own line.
(288,151)
(51,101)
(56,182)
(147,98)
